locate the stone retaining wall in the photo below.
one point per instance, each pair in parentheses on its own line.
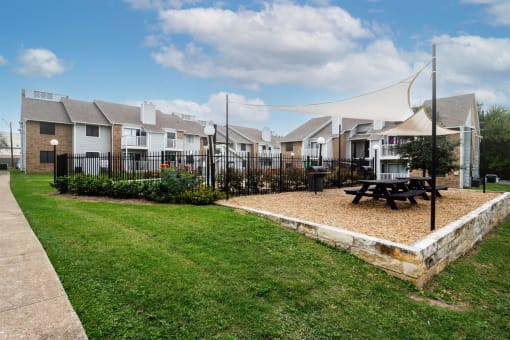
(417,262)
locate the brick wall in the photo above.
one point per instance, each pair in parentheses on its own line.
(116,138)
(36,142)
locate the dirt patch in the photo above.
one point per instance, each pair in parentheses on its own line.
(333,207)
(104,199)
(439,303)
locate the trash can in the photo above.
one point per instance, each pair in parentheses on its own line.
(491,178)
(316,176)
(475,182)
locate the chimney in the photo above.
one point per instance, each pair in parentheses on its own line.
(148,113)
(266,134)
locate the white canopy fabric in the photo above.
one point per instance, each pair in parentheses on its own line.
(391,103)
(418,124)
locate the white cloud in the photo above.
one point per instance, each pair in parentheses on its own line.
(214,109)
(324,47)
(2,60)
(40,62)
(282,43)
(499,10)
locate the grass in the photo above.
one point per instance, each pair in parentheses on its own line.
(168,271)
(494,187)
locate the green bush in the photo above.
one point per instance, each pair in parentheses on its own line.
(173,187)
(62,184)
(202,196)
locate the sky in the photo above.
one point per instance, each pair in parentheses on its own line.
(186,55)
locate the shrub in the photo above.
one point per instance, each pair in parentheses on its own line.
(61,184)
(201,196)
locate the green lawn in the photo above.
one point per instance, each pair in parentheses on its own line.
(167,271)
(494,187)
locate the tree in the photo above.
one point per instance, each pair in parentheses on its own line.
(496,151)
(418,154)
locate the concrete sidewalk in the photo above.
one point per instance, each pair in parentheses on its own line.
(33,303)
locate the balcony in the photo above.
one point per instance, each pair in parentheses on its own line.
(192,147)
(389,150)
(136,141)
(174,144)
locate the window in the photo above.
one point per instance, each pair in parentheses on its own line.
(92,131)
(46,157)
(92,154)
(47,128)
(190,140)
(243,147)
(289,147)
(263,148)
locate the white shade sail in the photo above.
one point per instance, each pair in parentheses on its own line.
(391,103)
(418,124)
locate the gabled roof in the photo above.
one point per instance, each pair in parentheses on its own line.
(172,121)
(233,136)
(454,111)
(325,132)
(120,113)
(84,112)
(43,111)
(349,123)
(305,129)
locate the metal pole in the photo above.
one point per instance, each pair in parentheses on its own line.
(434,160)
(213,159)
(339,154)
(320,154)
(54,163)
(227,172)
(484,141)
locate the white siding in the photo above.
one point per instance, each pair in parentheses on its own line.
(157,142)
(85,144)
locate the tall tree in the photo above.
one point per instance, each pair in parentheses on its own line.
(496,151)
(417,153)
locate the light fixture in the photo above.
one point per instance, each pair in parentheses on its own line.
(321,140)
(54,142)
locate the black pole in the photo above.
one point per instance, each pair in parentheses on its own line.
(213,160)
(227,172)
(339,154)
(484,141)
(375,163)
(54,163)
(320,154)
(434,160)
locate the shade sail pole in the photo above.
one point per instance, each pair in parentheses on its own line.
(227,172)
(434,156)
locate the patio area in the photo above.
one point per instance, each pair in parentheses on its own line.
(406,225)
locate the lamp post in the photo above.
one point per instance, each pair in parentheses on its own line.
(321,141)
(54,142)
(376,147)
(292,158)
(210,131)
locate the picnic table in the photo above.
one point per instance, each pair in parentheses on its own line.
(423,183)
(389,189)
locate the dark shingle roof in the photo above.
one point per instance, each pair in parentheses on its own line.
(454,111)
(84,112)
(43,111)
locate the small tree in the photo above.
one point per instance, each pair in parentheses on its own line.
(418,154)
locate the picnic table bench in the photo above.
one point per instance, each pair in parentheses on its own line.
(391,190)
(424,183)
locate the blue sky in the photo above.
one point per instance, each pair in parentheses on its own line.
(184,55)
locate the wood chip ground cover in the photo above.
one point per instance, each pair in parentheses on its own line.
(408,224)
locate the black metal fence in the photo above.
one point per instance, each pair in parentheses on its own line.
(246,173)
